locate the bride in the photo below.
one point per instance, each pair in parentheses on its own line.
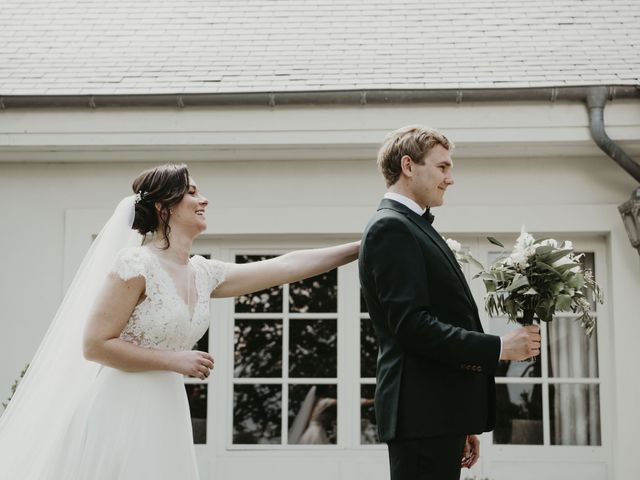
(104,397)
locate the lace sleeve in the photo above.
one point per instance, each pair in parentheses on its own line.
(216,271)
(129,263)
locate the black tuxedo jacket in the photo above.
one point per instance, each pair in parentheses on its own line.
(435,370)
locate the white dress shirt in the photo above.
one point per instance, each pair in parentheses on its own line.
(406,201)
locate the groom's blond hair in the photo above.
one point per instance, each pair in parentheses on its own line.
(414,141)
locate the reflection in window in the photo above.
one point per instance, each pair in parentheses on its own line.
(294,325)
(518,414)
(315,295)
(203,344)
(258,348)
(257,414)
(368,431)
(575,414)
(264,301)
(363,304)
(368,349)
(313,348)
(197,397)
(313,414)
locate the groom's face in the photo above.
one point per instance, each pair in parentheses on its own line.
(431,179)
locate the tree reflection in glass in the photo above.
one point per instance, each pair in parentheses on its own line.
(197,397)
(264,301)
(368,349)
(313,348)
(317,294)
(257,414)
(313,414)
(518,414)
(368,430)
(257,348)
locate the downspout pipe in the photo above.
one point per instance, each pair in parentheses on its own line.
(596,101)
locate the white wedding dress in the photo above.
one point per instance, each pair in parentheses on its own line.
(134,426)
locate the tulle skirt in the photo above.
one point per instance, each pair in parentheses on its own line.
(131,426)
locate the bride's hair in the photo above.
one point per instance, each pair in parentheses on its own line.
(166,185)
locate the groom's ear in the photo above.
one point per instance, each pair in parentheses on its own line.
(406,164)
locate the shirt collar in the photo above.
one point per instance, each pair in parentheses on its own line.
(406,201)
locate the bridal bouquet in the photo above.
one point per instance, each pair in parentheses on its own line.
(537,279)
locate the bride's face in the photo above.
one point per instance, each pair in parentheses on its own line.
(189,214)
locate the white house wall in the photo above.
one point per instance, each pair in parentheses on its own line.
(521,164)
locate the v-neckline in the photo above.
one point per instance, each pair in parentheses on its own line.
(183,302)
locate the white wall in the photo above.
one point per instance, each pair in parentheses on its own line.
(494,192)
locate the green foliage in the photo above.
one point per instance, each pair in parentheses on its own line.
(540,277)
(15,386)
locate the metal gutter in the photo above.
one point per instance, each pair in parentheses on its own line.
(596,101)
(333,97)
(595,98)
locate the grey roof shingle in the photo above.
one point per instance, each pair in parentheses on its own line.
(183,46)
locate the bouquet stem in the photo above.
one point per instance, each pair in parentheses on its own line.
(528,317)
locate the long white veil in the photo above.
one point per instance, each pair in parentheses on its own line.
(58,376)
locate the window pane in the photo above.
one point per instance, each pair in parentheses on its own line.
(313,348)
(368,432)
(197,396)
(368,349)
(203,344)
(500,326)
(265,301)
(571,353)
(575,414)
(313,414)
(588,263)
(257,414)
(315,295)
(519,414)
(258,348)
(363,304)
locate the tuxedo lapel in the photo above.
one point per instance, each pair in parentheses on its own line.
(434,236)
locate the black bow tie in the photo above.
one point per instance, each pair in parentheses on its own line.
(427,216)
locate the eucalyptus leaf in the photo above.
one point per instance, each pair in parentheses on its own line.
(495,242)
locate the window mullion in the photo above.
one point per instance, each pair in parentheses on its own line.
(285,365)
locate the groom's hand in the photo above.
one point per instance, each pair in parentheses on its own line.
(471,452)
(521,343)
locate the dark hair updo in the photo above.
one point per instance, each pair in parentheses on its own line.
(164,185)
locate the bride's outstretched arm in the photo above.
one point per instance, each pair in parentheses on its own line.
(102,342)
(292,267)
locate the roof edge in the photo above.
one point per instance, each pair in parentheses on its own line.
(326,97)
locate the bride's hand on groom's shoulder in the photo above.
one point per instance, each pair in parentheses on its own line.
(193,363)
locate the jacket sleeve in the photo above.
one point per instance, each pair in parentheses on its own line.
(396,265)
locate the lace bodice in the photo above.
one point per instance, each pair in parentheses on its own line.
(163,319)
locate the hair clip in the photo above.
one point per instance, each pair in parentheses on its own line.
(139,196)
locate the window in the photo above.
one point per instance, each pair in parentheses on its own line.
(285,388)
(554,400)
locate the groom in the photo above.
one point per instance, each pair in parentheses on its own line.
(435,374)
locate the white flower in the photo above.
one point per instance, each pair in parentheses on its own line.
(454,245)
(524,240)
(550,243)
(568,244)
(519,258)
